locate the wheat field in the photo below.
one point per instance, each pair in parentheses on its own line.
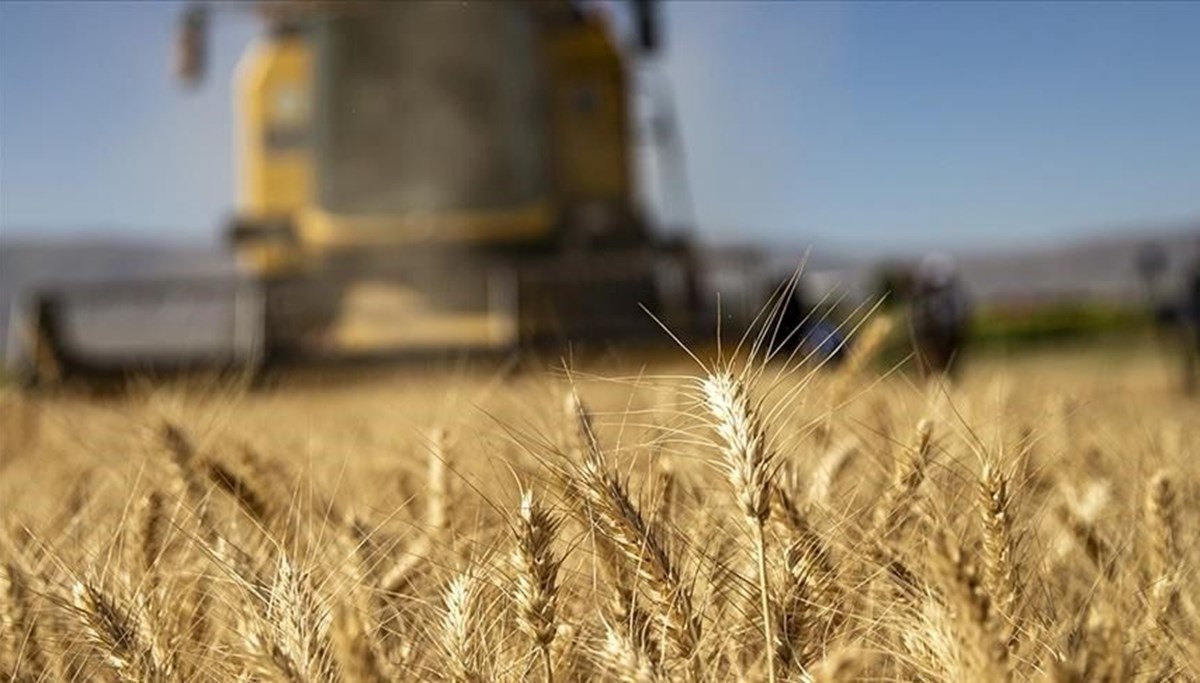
(720,518)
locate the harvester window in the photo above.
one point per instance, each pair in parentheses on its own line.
(431,107)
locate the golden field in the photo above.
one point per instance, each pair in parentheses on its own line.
(1036,520)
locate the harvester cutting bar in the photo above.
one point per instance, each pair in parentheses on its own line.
(114,328)
(350,313)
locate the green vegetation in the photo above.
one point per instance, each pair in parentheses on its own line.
(1060,322)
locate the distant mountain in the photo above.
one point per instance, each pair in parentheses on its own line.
(1095,269)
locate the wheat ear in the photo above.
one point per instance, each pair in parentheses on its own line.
(972,609)
(248,496)
(625,658)
(869,342)
(153,528)
(893,509)
(438,488)
(458,626)
(301,619)
(117,630)
(606,502)
(1088,537)
(182,456)
(1163,515)
(999,549)
(749,465)
(1162,519)
(536,593)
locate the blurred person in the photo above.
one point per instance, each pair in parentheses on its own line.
(1191,327)
(804,330)
(795,316)
(1175,314)
(939,315)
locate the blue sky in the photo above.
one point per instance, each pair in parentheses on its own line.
(868,127)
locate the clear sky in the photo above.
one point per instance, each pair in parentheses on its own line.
(869,127)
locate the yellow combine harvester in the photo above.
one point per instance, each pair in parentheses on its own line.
(411,176)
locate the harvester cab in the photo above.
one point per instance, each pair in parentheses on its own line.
(410,176)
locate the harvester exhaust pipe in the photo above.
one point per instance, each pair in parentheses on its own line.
(645,14)
(191,45)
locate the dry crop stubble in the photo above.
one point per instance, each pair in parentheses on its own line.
(736,519)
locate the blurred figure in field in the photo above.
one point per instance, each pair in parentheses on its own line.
(939,315)
(1191,325)
(1175,314)
(804,331)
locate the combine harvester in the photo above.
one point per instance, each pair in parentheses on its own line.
(413,177)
